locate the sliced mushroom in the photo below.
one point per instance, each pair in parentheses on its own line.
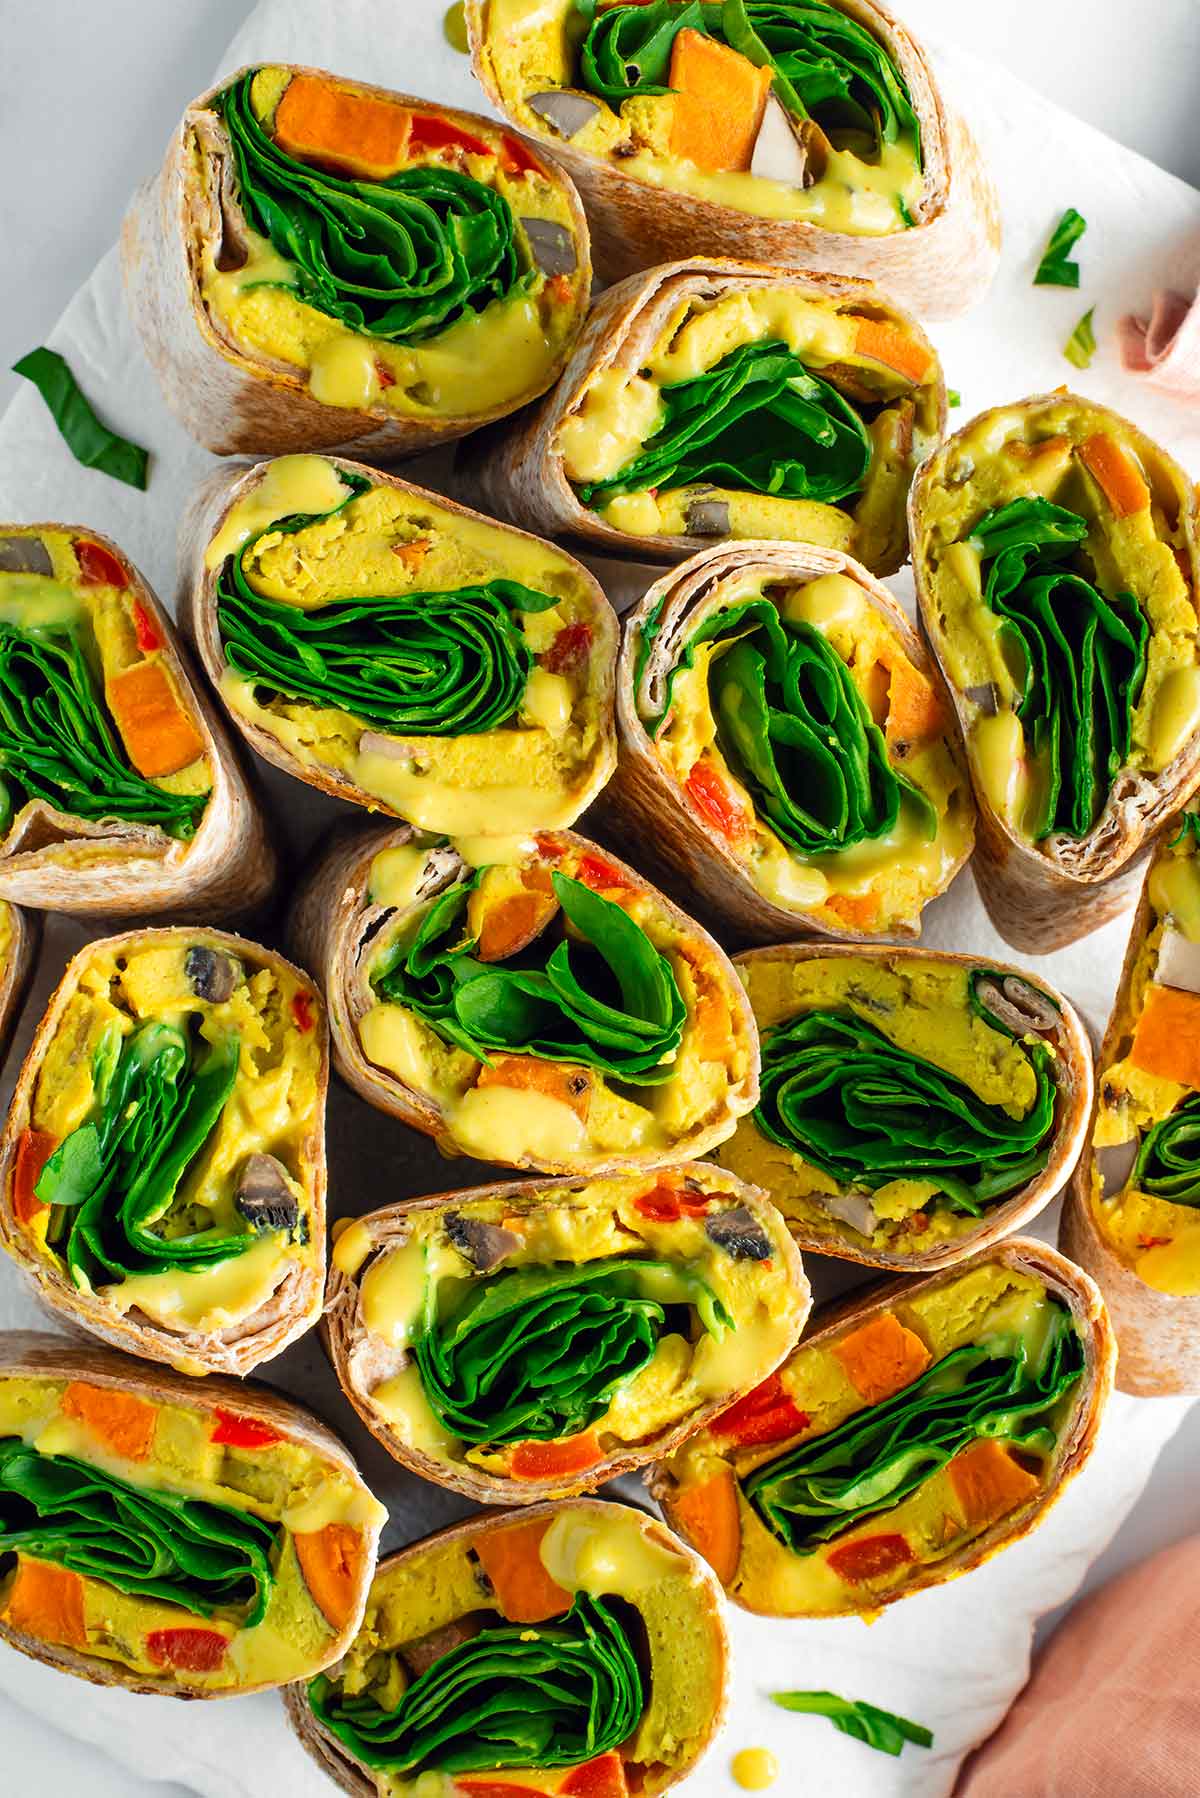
(24,555)
(564,111)
(853,1208)
(373,742)
(263,1196)
(1114,1164)
(233,250)
(986,697)
(1018,1005)
(784,151)
(421,1654)
(484,1245)
(1178,961)
(741,1236)
(552,246)
(708,518)
(212,974)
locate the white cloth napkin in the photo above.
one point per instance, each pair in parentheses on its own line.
(952,1658)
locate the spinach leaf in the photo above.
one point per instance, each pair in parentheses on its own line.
(1081,653)
(89,441)
(1080,346)
(1056,269)
(1168,1162)
(882,1730)
(556,1695)
(147,1544)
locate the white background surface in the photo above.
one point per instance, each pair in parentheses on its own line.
(88,94)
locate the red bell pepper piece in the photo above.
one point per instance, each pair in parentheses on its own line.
(302,1011)
(768,1414)
(429,133)
(145,629)
(549,1460)
(243,1432)
(569,651)
(187,1650)
(98,567)
(595,872)
(714,802)
(496,1788)
(602,1778)
(34,1150)
(667,1204)
(870,1558)
(519,159)
(385,377)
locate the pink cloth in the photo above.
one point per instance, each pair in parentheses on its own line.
(1165,347)
(1112,1709)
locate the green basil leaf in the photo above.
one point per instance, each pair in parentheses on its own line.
(759,422)
(1083,656)
(1081,344)
(400,258)
(882,1730)
(852,1103)
(556,1695)
(150,1545)
(536,1354)
(58,742)
(880,1455)
(89,441)
(608,1000)
(1056,269)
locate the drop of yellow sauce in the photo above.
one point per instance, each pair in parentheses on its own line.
(755,1769)
(455,27)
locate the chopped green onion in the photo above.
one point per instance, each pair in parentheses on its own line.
(881,1730)
(1080,346)
(1056,269)
(89,441)
(953,397)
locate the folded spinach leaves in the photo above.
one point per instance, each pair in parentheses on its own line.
(398,258)
(556,1695)
(1168,1162)
(881,1454)
(606,999)
(757,422)
(535,1354)
(113,1181)
(1081,656)
(153,1545)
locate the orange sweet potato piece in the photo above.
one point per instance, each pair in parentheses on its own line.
(882,342)
(331,1561)
(857,910)
(570,1085)
(881,1357)
(1116,474)
(513,1563)
(125,1424)
(158,734)
(46,1602)
(1166,1039)
(914,709)
(514,921)
(359,132)
(708,1513)
(720,99)
(989,1484)
(34,1150)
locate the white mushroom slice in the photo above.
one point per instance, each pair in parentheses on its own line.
(987,698)
(853,1208)
(785,152)
(373,742)
(1115,1164)
(564,111)
(1178,961)
(708,518)
(1019,1005)
(551,246)
(24,555)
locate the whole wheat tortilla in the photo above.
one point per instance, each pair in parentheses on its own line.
(362,1361)
(331,925)
(40,1355)
(293,1307)
(643,804)
(25,930)
(1075,1081)
(1066,1282)
(1045,896)
(1158,1333)
(703,1602)
(516,469)
(112,869)
(233,400)
(941,266)
(210,506)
